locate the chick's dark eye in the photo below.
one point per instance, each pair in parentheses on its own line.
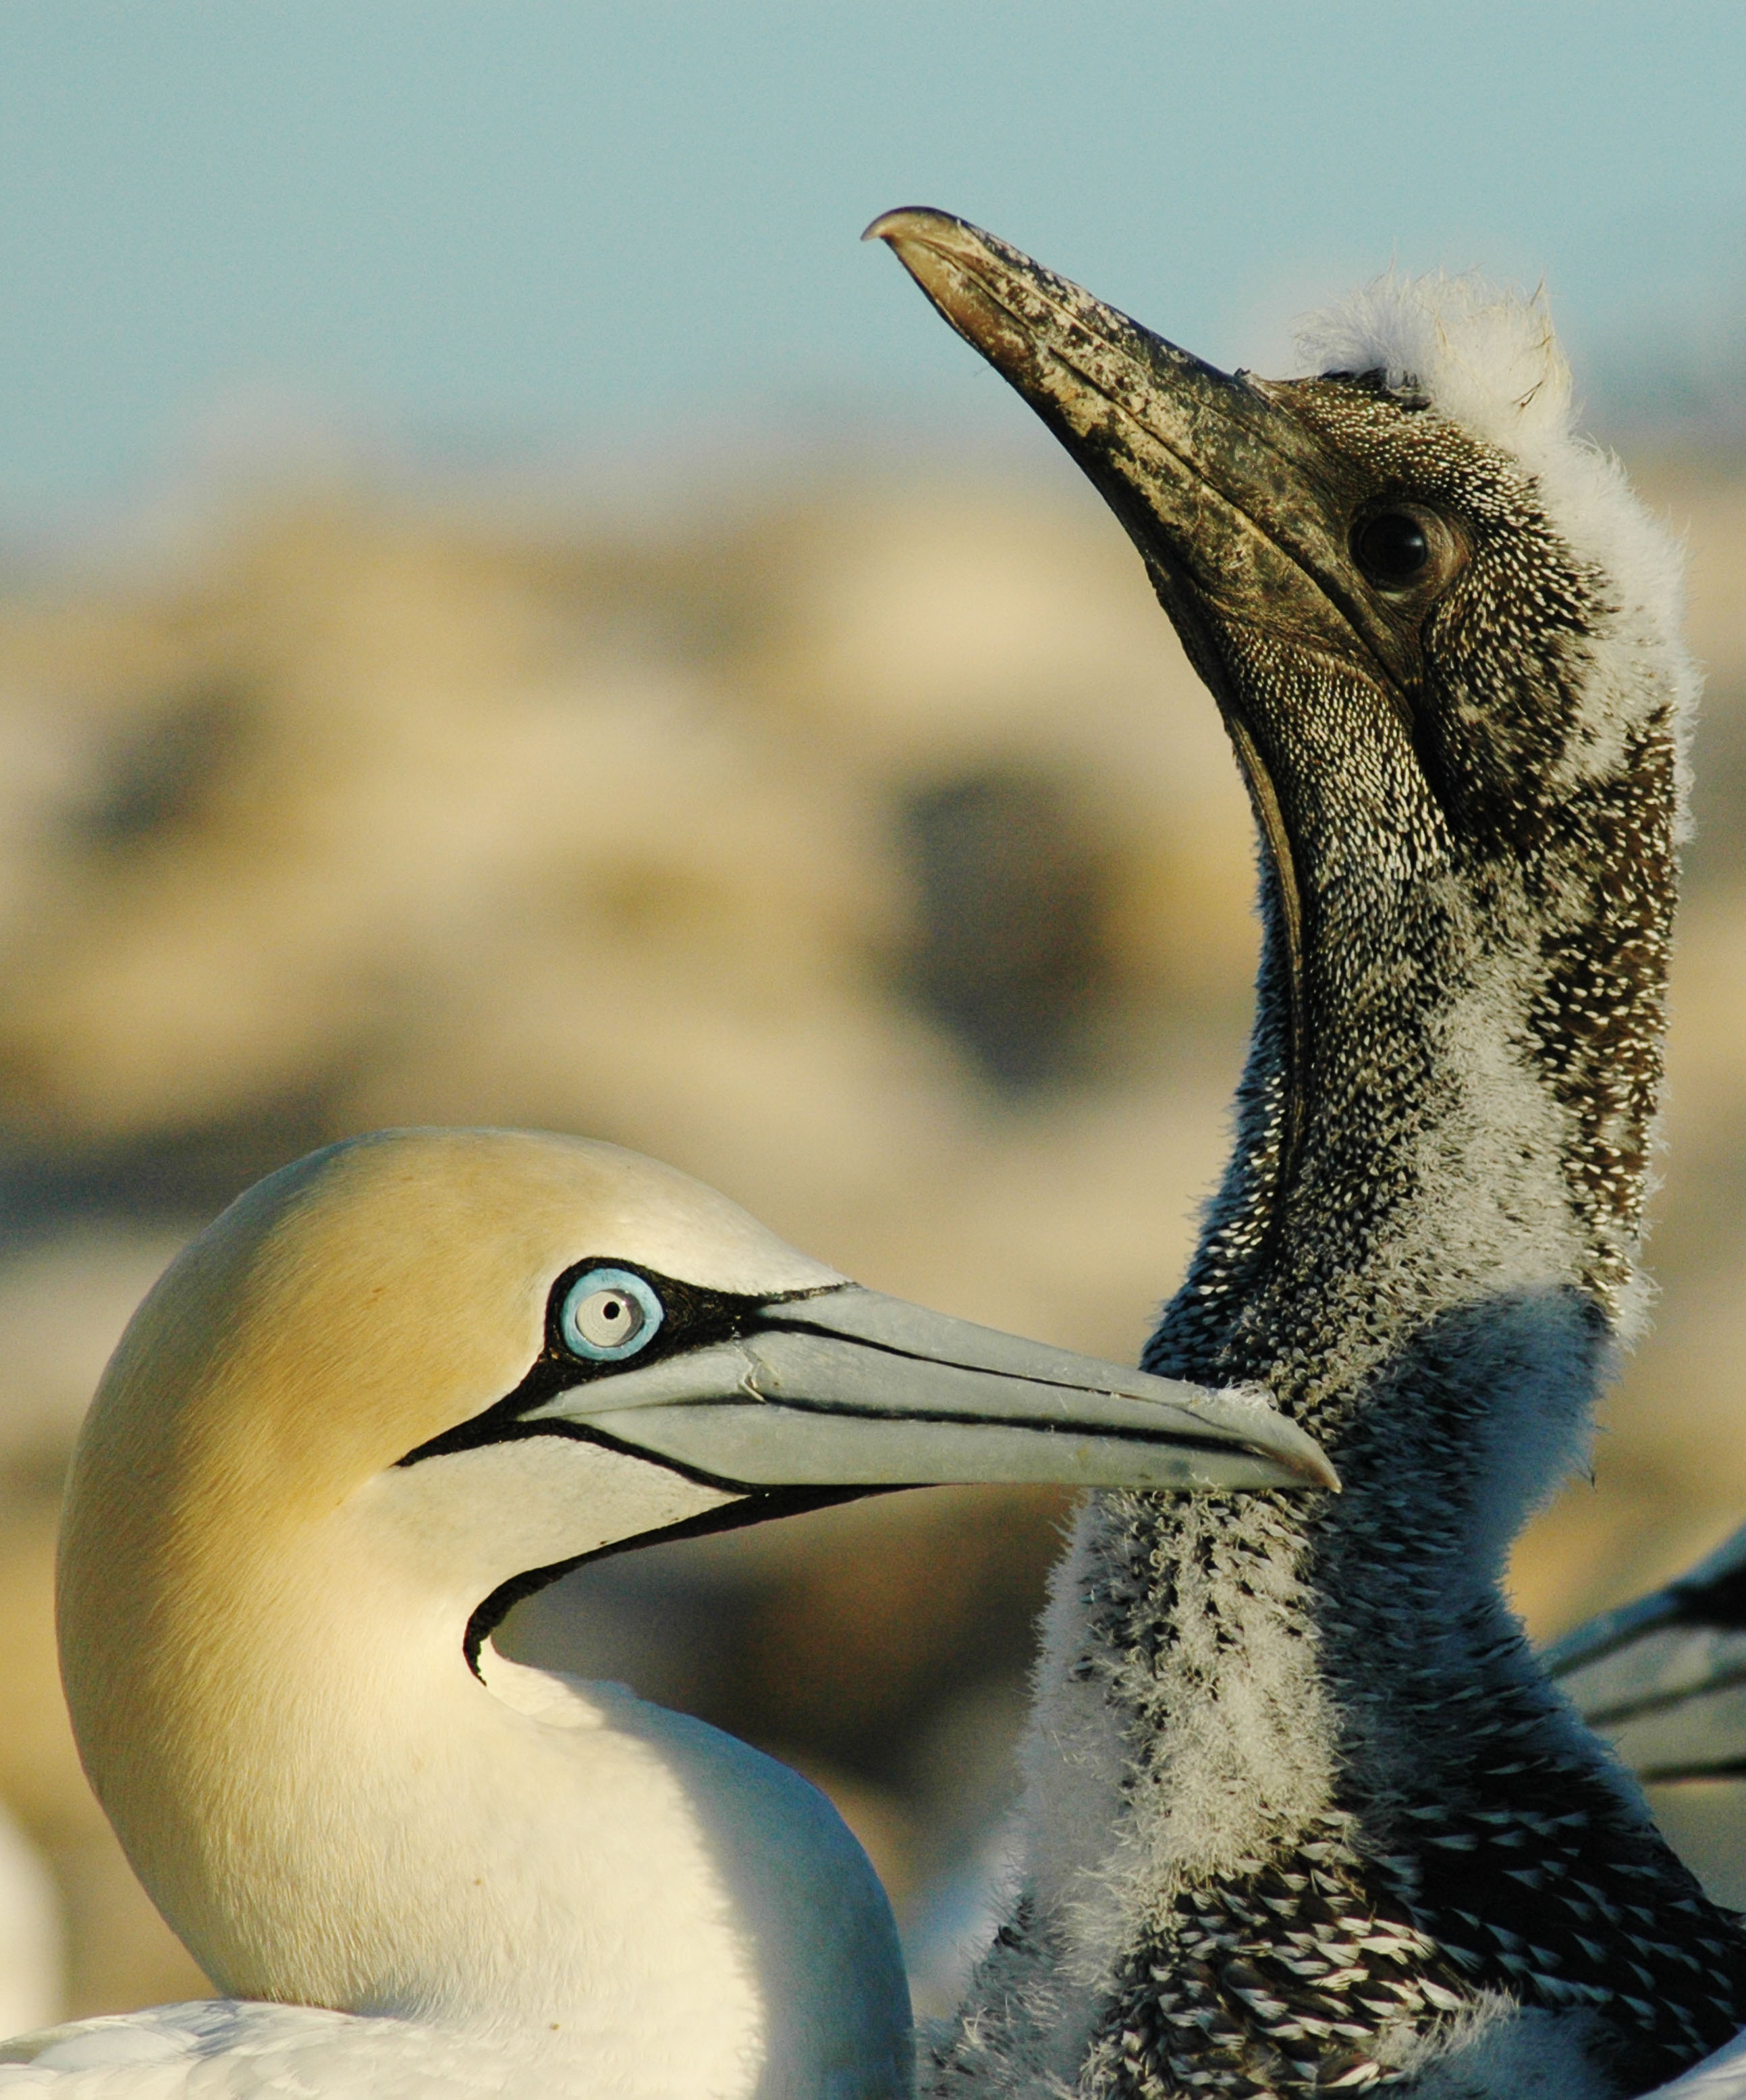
(1392,548)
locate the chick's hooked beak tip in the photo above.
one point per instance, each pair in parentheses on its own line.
(908,221)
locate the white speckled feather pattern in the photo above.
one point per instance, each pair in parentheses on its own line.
(1304,1814)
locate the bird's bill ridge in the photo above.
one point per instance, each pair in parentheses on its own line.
(1217,483)
(849,1388)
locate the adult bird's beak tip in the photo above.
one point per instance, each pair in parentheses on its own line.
(1318,1468)
(1283,1441)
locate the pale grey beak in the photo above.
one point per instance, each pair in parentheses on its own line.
(846,1388)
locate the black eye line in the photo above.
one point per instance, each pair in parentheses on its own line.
(695,1317)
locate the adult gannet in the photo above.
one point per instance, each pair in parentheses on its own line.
(1304,1812)
(387,1383)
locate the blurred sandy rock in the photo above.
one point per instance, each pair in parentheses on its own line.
(63,1305)
(866,848)
(30,1935)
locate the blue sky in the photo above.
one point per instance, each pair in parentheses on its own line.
(543,223)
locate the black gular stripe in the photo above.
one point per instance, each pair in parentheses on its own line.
(694,1318)
(762,1505)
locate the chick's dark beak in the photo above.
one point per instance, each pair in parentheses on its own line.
(1238,506)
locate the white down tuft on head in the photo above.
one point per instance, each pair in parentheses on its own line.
(1487,357)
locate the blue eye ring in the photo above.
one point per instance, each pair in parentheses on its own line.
(593,1305)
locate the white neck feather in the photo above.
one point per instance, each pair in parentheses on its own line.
(376,1829)
(1152,1764)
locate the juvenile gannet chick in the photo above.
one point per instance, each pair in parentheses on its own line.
(387,1383)
(1306,1814)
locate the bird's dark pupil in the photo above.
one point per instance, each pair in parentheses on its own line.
(613,1309)
(1392,548)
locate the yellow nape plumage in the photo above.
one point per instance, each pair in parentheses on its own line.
(342,1313)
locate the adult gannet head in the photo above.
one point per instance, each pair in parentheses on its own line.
(387,1382)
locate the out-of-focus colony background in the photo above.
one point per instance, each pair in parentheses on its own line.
(836,818)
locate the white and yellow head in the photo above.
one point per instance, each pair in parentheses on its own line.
(397,1375)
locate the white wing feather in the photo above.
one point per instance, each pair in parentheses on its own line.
(1721,2077)
(228,2049)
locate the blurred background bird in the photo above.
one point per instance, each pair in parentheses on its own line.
(417,432)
